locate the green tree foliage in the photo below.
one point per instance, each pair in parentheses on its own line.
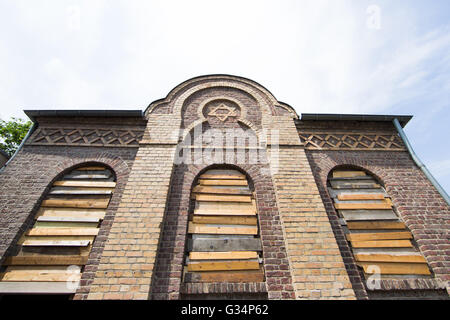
(12,133)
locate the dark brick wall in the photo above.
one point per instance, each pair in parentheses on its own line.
(167,284)
(25,181)
(418,203)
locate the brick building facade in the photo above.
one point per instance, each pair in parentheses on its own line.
(286,207)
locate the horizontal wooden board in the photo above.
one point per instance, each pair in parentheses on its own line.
(229,255)
(28,287)
(348,174)
(225,208)
(66,203)
(382,244)
(362,206)
(63,232)
(224,198)
(202,229)
(225,276)
(375,225)
(71,212)
(368,215)
(389,258)
(80,191)
(223,176)
(356,196)
(36,277)
(64,224)
(95,174)
(223,190)
(225,220)
(223,265)
(395,268)
(224,245)
(45,260)
(93,168)
(46,243)
(206,182)
(349,185)
(335,192)
(379,236)
(68,219)
(86,184)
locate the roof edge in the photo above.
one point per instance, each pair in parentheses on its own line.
(403,119)
(32,114)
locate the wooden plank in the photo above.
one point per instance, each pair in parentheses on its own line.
(75,174)
(66,243)
(68,219)
(223,265)
(375,225)
(92,169)
(63,232)
(395,268)
(389,258)
(225,220)
(382,244)
(225,276)
(223,176)
(55,238)
(61,224)
(362,206)
(214,198)
(66,203)
(80,191)
(13,276)
(379,236)
(349,185)
(202,229)
(355,196)
(28,287)
(86,184)
(45,260)
(224,245)
(368,215)
(230,255)
(216,190)
(225,208)
(348,174)
(71,212)
(206,182)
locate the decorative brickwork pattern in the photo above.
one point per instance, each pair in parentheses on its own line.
(91,136)
(350,141)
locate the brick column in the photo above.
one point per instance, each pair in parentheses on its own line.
(317,268)
(126,266)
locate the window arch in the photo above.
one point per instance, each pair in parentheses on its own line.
(224,242)
(381,243)
(54,250)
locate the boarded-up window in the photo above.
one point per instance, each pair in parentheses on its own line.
(223,236)
(53,252)
(380,241)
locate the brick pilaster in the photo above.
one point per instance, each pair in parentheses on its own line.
(317,268)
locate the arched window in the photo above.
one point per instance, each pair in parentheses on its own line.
(380,241)
(55,249)
(223,235)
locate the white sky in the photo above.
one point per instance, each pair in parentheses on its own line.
(317,56)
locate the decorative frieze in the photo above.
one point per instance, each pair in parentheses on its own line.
(351,141)
(86,136)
